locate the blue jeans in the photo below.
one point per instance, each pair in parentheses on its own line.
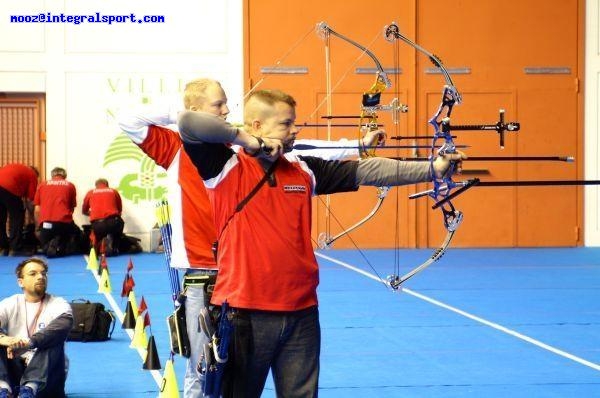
(287,343)
(194,302)
(46,369)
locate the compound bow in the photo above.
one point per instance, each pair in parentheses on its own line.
(371,104)
(442,191)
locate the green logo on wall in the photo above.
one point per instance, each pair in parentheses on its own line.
(143,185)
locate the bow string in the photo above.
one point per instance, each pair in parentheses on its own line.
(368,121)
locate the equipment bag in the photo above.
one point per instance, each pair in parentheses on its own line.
(177,325)
(91,321)
(213,359)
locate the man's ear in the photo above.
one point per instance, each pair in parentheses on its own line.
(20,282)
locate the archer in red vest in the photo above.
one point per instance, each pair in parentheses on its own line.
(55,200)
(104,206)
(17,189)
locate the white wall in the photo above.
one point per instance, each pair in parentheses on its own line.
(592,123)
(90,70)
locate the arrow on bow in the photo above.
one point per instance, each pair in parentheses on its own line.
(306,147)
(567,159)
(475,182)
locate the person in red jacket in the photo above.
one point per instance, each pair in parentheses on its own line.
(104,206)
(192,223)
(268,272)
(55,201)
(18,183)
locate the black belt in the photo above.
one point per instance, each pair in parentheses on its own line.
(197,280)
(104,219)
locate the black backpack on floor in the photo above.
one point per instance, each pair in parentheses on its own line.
(91,322)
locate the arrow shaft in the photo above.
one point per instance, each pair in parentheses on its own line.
(464,185)
(304,147)
(414,137)
(348,117)
(534,183)
(308,125)
(498,158)
(472,127)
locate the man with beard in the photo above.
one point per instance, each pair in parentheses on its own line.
(33,329)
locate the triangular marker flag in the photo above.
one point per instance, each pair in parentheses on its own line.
(104,285)
(129,265)
(125,286)
(143,306)
(169,388)
(152,362)
(139,335)
(134,306)
(129,318)
(92,260)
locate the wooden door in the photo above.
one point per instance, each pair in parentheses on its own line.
(22,127)
(523,57)
(284,51)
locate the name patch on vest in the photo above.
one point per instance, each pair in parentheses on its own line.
(294,189)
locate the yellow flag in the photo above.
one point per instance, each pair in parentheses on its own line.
(134,306)
(92,260)
(104,285)
(140,340)
(169,388)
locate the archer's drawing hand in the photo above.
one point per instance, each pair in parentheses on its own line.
(374,138)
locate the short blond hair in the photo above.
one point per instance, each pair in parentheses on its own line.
(260,104)
(272,96)
(194,92)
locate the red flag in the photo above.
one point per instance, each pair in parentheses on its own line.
(146,319)
(128,285)
(103,262)
(130,265)
(124,288)
(143,307)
